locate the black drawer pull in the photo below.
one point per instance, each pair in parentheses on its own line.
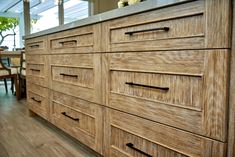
(130,145)
(148,86)
(38,70)
(68,41)
(63,74)
(34,46)
(65,114)
(148,30)
(34,99)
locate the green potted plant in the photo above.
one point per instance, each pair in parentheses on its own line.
(123,3)
(7,23)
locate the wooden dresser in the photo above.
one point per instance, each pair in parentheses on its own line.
(152,84)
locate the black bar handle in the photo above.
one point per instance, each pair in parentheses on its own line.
(148,86)
(65,114)
(34,46)
(34,99)
(148,30)
(35,70)
(63,74)
(130,145)
(68,41)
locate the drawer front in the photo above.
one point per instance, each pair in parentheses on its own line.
(186,26)
(79,40)
(178,85)
(79,118)
(36,45)
(37,69)
(38,99)
(130,136)
(77,75)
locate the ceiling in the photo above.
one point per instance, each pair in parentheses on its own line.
(72,8)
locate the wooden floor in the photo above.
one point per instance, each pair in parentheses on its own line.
(22,136)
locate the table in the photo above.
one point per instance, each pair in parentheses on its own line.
(11,54)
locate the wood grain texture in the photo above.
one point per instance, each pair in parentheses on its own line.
(154,139)
(37,69)
(71,75)
(92,65)
(218,23)
(183,90)
(77,75)
(36,45)
(197,82)
(178,28)
(185,22)
(215,94)
(38,99)
(80,40)
(231,131)
(88,129)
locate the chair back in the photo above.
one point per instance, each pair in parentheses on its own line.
(3,69)
(23,64)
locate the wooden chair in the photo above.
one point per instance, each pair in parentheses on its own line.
(22,75)
(8,72)
(6,61)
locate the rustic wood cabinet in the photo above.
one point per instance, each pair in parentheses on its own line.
(151,84)
(128,135)
(37,45)
(79,118)
(77,74)
(176,88)
(38,99)
(79,40)
(193,25)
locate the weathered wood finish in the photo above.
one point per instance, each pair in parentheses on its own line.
(38,99)
(154,138)
(197,82)
(80,40)
(218,23)
(78,75)
(185,22)
(231,132)
(36,45)
(88,129)
(37,69)
(90,71)
(73,71)
(215,94)
(193,25)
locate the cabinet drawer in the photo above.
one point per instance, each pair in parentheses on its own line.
(79,118)
(79,40)
(36,45)
(37,69)
(130,136)
(77,75)
(38,99)
(186,26)
(171,87)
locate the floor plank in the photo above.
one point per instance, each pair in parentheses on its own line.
(23,136)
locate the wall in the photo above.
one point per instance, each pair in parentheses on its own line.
(100,6)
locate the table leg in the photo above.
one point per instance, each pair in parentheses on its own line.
(17,87)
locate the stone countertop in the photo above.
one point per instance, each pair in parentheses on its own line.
(128,10)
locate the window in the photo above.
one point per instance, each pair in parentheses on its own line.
(75,10)
(44,16)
